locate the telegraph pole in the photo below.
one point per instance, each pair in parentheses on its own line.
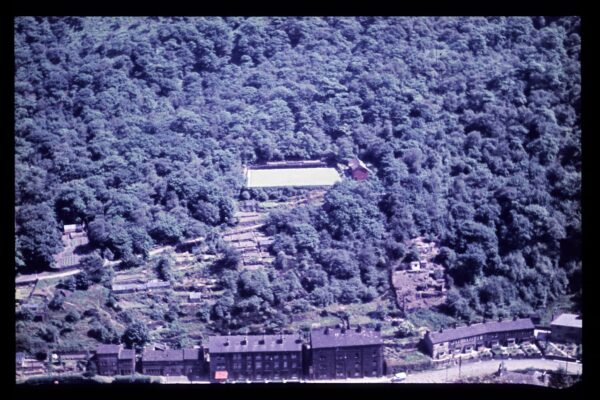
(446,372)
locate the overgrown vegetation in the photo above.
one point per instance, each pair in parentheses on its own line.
(139,128)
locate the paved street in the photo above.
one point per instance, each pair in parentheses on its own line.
(488,367)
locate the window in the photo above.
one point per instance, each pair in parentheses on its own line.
(258,364)
(294,356)
(237,365)
(285,364)
(356,355)
(258,357)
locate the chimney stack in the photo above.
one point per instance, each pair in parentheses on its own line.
(326,331)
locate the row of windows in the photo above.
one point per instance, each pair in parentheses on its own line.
(345,355)
(259,365)
(258,357)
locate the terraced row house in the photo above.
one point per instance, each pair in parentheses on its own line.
(113,359)
(174,362)
(255,358)
(339,353)
(466,338)
(333,353)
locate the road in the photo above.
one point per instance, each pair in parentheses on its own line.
(44,275)
(488,367)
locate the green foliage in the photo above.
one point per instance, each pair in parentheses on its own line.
(94,267)
(39,235)
(104,333)
(560,379)
(164,269)
(470,126)
(57,301)
(136,334)
(72,316)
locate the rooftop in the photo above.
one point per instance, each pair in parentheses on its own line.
(480,329)
(127,354)
(162,355)
(338,337)
(319,176)
(108,349)
(356,163)
(571,320)
(254,343)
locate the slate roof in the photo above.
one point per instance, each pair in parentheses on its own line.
(191,354)
(127,354)
(108,349)
(355,163)
(570,320)
(336,337)
(160,355)
(481,329)
(217,344)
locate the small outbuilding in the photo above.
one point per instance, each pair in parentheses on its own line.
(358,169)
(566,328)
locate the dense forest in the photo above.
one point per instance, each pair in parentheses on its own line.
(139,127)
